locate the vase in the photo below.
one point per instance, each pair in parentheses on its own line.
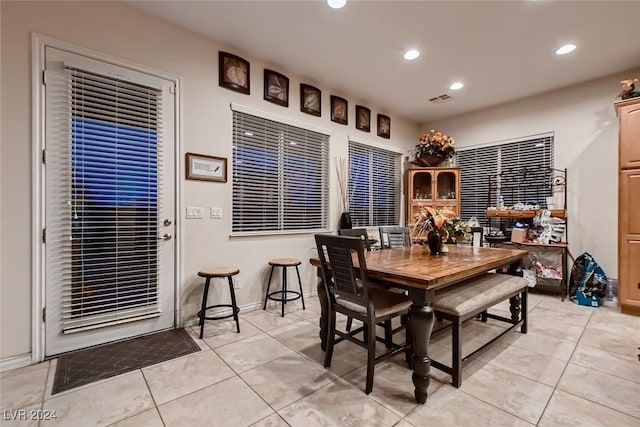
(345,221)
(434,240)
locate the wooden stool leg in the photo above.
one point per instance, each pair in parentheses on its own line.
(284,288)
(203,312)
(266,296)
(300,282)
(234,304)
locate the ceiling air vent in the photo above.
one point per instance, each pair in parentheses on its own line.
(440,99)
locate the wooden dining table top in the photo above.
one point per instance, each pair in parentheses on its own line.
(415,267)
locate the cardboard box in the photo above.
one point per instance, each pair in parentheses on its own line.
(519,235)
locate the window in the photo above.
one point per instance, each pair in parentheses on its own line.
(280,177)
(374,186)
(478,163)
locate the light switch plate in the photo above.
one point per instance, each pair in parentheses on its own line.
(194,212)
(216,213)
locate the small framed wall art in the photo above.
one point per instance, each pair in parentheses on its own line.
(384,126)
(233,72)
(206,168)
(363,118)
(276,88)
(310,100)
(339,110)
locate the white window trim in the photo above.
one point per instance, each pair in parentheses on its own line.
(359,140)
(280,119)
(507,141)
(38,44)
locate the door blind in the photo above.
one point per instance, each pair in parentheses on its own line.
(103,163)
(280,176)
(374,186)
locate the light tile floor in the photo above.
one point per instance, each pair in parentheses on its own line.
(576,366)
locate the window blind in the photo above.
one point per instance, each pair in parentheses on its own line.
(374,186)
(477,164)
(103,162)
(280,177)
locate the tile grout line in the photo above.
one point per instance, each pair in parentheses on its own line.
(153,399)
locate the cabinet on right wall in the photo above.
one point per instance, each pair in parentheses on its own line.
(628,112)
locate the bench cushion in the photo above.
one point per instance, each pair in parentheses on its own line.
(477,293)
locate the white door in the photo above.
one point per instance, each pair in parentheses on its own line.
(109,202)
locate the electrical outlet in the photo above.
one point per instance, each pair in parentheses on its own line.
(194,212)
(236,283)
(215,213)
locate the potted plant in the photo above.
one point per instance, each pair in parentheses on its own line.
(434,148)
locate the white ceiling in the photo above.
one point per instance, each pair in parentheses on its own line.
(501,50)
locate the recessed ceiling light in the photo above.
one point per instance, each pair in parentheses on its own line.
(411,54)
(336,4)
(456,86)
(567,48)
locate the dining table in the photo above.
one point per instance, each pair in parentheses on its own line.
(422,274)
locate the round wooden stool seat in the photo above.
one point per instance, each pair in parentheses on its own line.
(285,262)
(219,272)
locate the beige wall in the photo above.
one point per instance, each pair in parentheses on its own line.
(586,143)
(124,32)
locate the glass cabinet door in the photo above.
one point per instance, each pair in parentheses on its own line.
(422,188)
(446,186)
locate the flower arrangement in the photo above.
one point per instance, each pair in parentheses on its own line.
(430,219)
(436,145)
(444,221)
(629,89)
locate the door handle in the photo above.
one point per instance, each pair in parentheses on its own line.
(165,237)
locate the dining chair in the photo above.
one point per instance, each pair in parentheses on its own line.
(363,235)
(356,232)
(395,237)
(349,292)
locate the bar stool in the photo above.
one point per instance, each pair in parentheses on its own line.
(210,273)
(284,293)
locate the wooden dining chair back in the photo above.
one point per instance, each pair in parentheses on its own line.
(356,232)
(349,292)
(395,237)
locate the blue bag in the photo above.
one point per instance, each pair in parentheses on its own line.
(588,282)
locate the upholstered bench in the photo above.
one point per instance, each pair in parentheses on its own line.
(471,298)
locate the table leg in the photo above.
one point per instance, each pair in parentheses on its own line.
(421,321)
(324,311)
(514,308)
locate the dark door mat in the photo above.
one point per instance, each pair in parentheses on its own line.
(86,366)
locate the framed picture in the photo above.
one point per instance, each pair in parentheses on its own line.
(233,72)
(339,112)
(310,100)
(276,88)
(363,118)
(384,126)
(206,168)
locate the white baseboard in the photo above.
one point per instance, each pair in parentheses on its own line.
(243,308)
(14,362)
